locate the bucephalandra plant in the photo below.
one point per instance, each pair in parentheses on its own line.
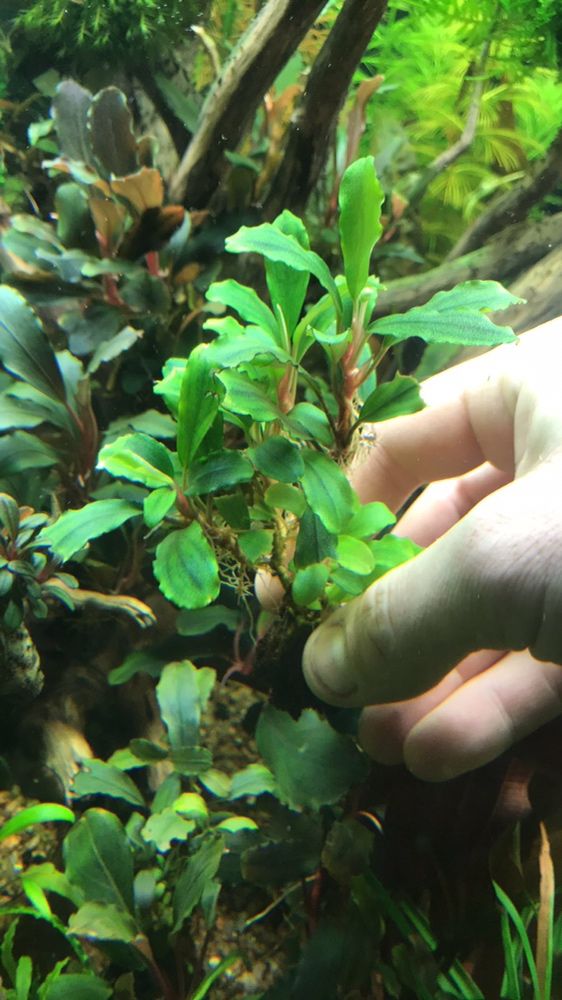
(264,429)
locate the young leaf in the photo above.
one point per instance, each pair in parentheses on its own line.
(24,348)
(274,245)
(140,459)
(201,868)
(218,471)
(328,491)
(312,764)
(157,505)
(198,403)
(355,555)
(73,529)
(392,399)
(360,200)
(182,694)
(288,287)
(186,568)
(453,317)
(246,302)
(278,459)
(98,859)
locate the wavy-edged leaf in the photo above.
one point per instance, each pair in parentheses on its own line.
(327,491)
(250,398)
(140,459)
(99,860)
(186,568)
(279,459)
(246,302)
(21,451)
(71,104)
(98,778)
(198,402)
(454,317)
(287,287)
(392,399)
(73,529)
(218,471)
(183,692)
(110,132)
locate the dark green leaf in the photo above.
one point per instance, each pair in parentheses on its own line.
(186,568)
(100,921)
(73,529)
(201,868)
(392,399)
(24,348)
(191,761)
(453,317)
(71,104)
(198,403)
(218,471)
(314,542)
(74,222)
(148,752)
(234,509)
(313,765)
(98,778)
(360,200)
(139,458)
(182,105)
(75,986)
(110,130)
(278,459)
(98,859)
(288,287)
(182,692)
(112,348)
(328,491)
(309,423)
(204,620)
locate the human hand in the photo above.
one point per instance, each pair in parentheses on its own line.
(458,653)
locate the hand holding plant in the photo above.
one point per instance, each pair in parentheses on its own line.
(431,635)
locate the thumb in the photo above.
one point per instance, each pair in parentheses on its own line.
(467,591)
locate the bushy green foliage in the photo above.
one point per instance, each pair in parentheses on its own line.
(115,28)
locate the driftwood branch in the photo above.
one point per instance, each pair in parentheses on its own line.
(463,143)
(506,257)
(514,205)
(258,58)
(326,90)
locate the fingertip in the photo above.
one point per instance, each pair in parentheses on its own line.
(326,665)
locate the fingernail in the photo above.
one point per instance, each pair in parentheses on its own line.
(325,663)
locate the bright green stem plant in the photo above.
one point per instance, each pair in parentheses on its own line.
(257,480)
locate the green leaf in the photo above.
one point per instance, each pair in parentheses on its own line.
(284,497)
(309,583)
(246,302)
(312,764)
(21,451)
(453,317)
(183,106)
(392,399)
(288,287)
(328,492)
(98,859)
(201,868)
(151,422)
(241,344)
(99,778)
(24,348)
(24,975)
(192,762)
(47,878)
(278,459)
(234,509)
(191,805)
(274,245)
(355,555)
(75,986)
(198,403)
(73,529)
(255,779)
(111,349)
(166,826)
(314,542)
(310,423)
(204,620)
(360,200)
(248,397)
(186,568)
(140,459)
(218,471)
(369,520)
(157,505)
(71,104)
(256,543)
(45,813)
(183,692)
(99,921)
(210,979)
